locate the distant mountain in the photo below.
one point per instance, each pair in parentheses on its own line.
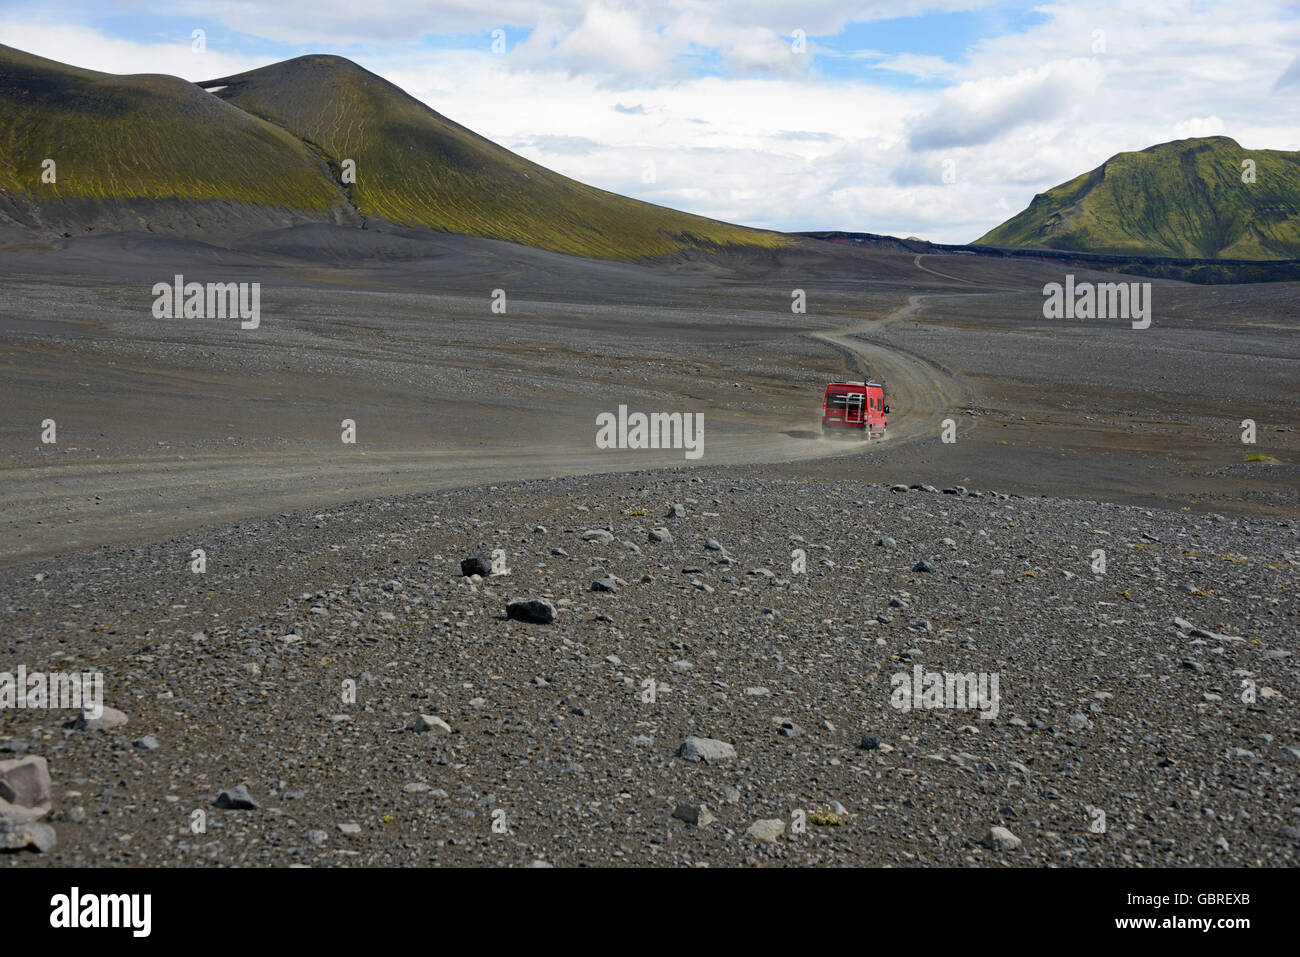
(268,148)
(1184,199)
(415,167)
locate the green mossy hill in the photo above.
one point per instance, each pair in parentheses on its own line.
(1184,199)
(115,139)
(417,168)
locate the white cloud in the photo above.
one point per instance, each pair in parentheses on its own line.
(922,67)
(90,49)
(1198,126)
(978,111)
(1291,77)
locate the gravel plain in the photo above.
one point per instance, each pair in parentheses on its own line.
(473,638)
(380,708)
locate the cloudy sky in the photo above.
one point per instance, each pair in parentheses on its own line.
(934,118)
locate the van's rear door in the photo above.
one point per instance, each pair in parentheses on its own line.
(854,403)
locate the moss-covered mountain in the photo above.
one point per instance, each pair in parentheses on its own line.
(85,151)
(415,167)
(80,148)
(1185,199)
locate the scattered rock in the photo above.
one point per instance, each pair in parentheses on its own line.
(1000,839)
(17,835)
(25,782)
(767,829)
(697,814)
(431,722)
(709,750)
(236,799)
(538,611)
(108,718)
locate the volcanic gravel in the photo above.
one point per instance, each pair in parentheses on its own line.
(332,691)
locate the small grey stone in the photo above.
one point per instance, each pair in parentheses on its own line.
(108,718)
(236,799)
(697,814)
(25,781)
(1000,839)
(923,566)
(767,830)
(709,750)
(16,835)
(431,722)
(147,743)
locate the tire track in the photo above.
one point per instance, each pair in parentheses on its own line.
(920,392)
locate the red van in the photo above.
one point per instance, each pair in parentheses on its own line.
(855,405)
